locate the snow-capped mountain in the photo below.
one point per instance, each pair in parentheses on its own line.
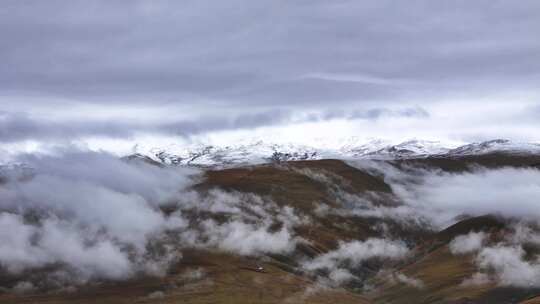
(253,153)
(496,145)
(384,149)
(259,151)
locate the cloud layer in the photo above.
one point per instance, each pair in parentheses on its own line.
(77,216)
(90,213)
(440,197)
(268,51)
(117,69)
(91,216)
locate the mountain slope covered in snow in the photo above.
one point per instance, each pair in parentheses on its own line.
(260,151)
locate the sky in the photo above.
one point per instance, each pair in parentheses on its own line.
(111,74)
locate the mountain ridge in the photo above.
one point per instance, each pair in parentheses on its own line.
(258,152)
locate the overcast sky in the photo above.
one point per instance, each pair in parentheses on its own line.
(181,70)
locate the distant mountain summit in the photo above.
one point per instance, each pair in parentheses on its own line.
(496,145)
(260,151)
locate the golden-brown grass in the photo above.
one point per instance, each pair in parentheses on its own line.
(226,278)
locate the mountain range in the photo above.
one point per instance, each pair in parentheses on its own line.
(414,222)
(260,151)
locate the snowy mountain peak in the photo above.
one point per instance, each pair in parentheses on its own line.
(496,145)
(260,151)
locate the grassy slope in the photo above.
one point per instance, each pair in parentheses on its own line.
(287,186)
(439,270)
(443,272)
(229,281)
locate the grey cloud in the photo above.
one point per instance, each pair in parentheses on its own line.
(247,53)
(21,126)
(509,192)
(510,266)
(467,243)
(401,278)
(436,198)
(249,239)
(355,252)
(59,242)
(369,114)
(242,64)
(505,263)
(477,278)
(94,216)
(91,213)
(248,230)
(416,112)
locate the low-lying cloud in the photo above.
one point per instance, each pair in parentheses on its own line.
(509,266)
(79,216)
(467,243)
(440,197)
(349,255)
(505,262)
(401,278)
(90,214)
(246,239)
(511,192)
